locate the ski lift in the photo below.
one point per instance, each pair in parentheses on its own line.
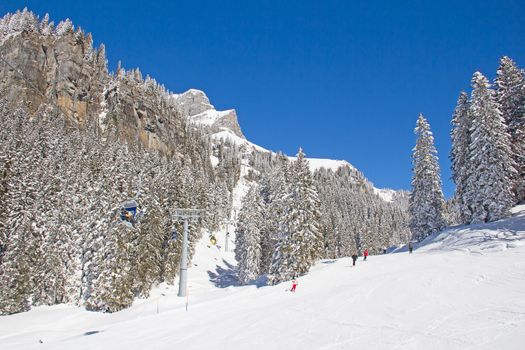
(130,212)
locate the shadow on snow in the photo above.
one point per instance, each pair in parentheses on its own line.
(224,277)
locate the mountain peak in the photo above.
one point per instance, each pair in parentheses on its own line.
(193,102)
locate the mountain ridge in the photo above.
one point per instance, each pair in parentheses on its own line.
(198,109)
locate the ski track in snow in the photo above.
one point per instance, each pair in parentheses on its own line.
(461,289)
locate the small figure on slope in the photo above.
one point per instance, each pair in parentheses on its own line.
(294,284)
(365,253)
(354,259)
(410,247)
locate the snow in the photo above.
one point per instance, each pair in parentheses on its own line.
(209,117)
(386,194)
(227,134)
(192,92)
(482,238)
(462,289)
(241,189)
(214,160)
(329,164)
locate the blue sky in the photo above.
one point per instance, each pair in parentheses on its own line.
(342,79)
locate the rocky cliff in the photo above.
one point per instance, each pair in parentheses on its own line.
(43,65)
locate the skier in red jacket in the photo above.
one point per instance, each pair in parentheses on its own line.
(294,284)
(365,253)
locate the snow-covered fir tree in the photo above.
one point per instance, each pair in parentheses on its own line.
(510,95)
(300,241)
(489,188)
(248,250)
(460,155)
(426,197)
(275,187)
(65,27)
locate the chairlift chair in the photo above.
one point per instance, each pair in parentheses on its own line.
(130,212)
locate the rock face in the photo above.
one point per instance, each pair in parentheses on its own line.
(192,102)
(195,105)
(41,68)
(37,69)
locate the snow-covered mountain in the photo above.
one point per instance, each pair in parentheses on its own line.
(224,125)
(461,289)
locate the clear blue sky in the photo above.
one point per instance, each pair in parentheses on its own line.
(342,79)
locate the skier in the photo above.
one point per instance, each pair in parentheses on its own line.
(365,253)
(354,259)
(294,284)
(410,247)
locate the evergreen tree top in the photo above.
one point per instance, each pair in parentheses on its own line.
(479,80)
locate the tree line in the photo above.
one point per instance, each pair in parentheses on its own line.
(487,155)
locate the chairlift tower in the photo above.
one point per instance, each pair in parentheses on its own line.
(185,215)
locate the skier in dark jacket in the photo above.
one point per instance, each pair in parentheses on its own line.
(410,247)
(354,259)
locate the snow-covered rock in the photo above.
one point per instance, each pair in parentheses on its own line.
(195,105)
(192,102)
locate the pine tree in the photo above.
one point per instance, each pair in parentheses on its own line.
(112,287)
(273,191)
(489,192)
(426,198)
(460,154)
(300,243)
(510,95)
(16,272)
(65,27)
(248,237)
(23,257)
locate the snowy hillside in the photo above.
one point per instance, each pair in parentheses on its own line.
(462,289)
(385,193)
(331,164)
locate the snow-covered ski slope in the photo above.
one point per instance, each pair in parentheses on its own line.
(462,289)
